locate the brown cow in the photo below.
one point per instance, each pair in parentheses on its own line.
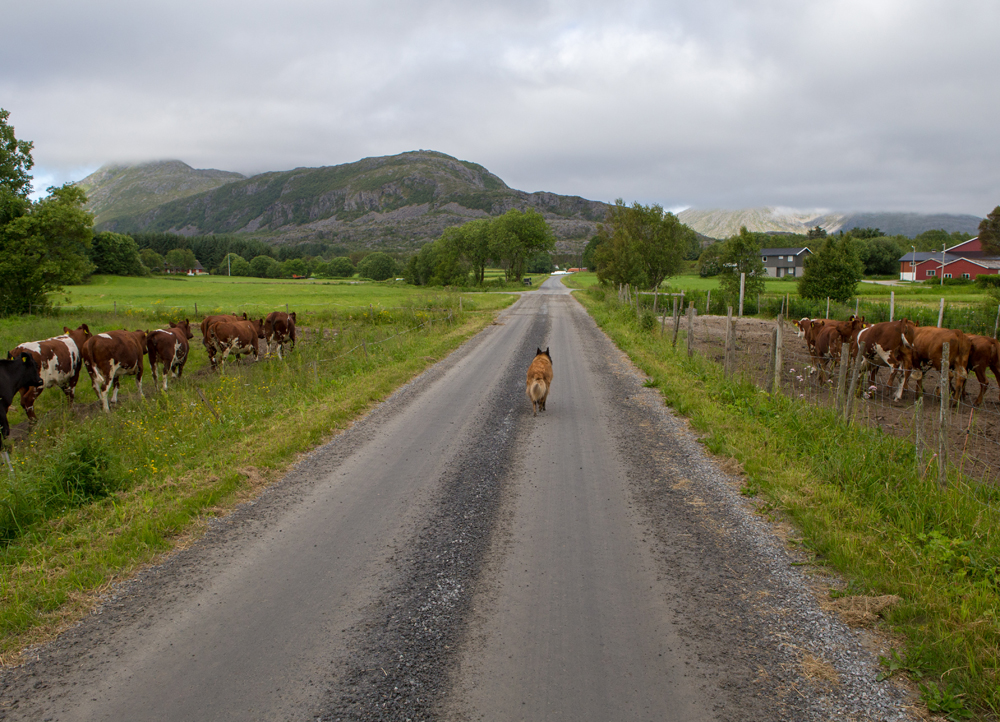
(237,337)
(109,356)
(58,360)
(926,351)
(169,347)
(207,322)
(884,344)
(985,353)
(279,327)
(827,337)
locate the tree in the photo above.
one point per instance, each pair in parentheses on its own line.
(515,237)
(377,266)
(709,262)
(233,264)
(341,267)
(477,247)
(989,233)
(541,262)
(588,253)
(833,271)
(15,160)
(43,246)
(151,260)
(640,245)
(294,267)
(740,254)
(260,266)
(879,254)
(180,260)
(117,255)
(815,233)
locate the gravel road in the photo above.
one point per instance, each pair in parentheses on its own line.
(452,557)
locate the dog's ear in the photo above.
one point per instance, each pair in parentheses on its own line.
(538,352)
(547,353)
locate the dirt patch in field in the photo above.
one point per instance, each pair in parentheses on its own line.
(972,431)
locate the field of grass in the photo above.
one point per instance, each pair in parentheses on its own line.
(93,496)
(862,509)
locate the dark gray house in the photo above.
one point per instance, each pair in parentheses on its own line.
(781,262)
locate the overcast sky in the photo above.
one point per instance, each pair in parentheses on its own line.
(842,105)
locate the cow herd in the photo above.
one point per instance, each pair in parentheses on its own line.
(906,349)
(56,362)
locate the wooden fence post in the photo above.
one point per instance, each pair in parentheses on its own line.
(677,320)
(692,311)
(857,305)
(943,418)
(656,297)
(708,302)
(743,281)
(196,311)
(918,422)
(941,313)
(770,360)
(853,390)
(663,323)
(828,307)
(730,344)
(892,305)
(778,361)
(845,356)
(365,347)
(996,326)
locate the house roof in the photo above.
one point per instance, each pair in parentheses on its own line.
(783,251)
(922,256)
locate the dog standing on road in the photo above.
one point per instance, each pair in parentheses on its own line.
(539,380)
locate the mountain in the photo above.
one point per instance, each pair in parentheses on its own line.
(912,224)
(394,203)
(123,190)
(716,223)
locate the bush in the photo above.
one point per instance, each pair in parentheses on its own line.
(988,281)
(341,267)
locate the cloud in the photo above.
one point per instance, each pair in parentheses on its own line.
(875,105)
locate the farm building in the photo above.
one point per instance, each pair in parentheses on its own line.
(966,260)
(781,262)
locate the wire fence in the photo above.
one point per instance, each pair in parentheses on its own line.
(771,355)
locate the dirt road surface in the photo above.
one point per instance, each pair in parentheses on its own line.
(453,557)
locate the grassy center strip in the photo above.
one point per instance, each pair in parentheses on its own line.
(862,509)
(95,496)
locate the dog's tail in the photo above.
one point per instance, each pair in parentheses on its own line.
(537,390)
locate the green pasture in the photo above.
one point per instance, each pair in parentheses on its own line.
(156,294)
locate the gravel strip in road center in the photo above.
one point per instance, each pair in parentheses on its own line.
(400,659)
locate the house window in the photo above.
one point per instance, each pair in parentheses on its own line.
(791,271)
(965,275)
(931,272)
(763,259)
(947,275)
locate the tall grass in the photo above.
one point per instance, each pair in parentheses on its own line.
(862,507)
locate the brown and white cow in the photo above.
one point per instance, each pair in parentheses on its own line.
(279,328)
(984,354)
(169,347)
(928,343)
(825,338)
(111,355)
(207,322)
(884,345)
(59,360)
(235,337)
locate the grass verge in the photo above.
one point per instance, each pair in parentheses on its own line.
(94,496)
(862,509)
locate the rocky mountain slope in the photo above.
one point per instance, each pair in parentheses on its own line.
(123,190)
(393,203)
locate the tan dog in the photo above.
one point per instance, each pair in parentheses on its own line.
(539,380)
